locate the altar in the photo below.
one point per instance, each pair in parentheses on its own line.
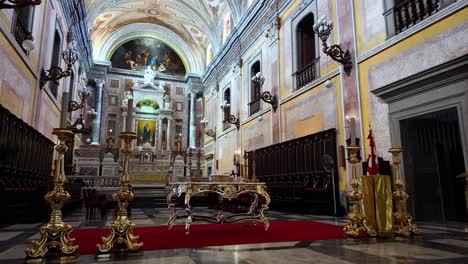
(227,190)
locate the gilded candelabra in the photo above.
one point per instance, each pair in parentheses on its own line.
(245,174)
(55,234)
(403,225)
(189,161)
(357,226)
(121,230)
(199,171)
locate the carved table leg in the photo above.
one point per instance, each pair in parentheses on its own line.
(188,208)
(254,204)
(264,207)
(171,205)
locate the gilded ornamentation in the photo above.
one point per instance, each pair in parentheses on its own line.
(228,190)
(121,230)
(357,226)
(55,234)
(403,225)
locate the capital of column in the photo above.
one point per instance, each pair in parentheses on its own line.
(99,83)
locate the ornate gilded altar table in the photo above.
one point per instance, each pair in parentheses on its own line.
(228,190)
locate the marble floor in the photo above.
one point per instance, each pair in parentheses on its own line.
(438,244)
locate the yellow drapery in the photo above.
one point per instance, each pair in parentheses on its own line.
(377,204)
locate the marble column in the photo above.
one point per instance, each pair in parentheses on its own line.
(193,125)
(97,122)
(169,135)
(160,133)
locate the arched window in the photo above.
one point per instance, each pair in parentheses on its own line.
(306,60)
(226,26)
(209,54)
(255,89)
(227,107)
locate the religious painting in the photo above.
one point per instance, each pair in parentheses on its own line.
(146,132)
(139,54)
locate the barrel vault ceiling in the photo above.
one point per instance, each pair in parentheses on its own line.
(197,23)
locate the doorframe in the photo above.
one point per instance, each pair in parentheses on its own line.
(441,87)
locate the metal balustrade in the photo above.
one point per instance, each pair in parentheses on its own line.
(307,74)
(409,12)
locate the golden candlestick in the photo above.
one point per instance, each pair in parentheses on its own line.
(189,172)
(245,177)
(55,234)
(199,171)
(403,225)
(121,230)
(357,226)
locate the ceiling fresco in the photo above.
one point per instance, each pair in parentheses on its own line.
(195,22)
(138,54)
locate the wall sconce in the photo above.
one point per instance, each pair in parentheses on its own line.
(18,3)
(225,105)
(80,127)
(56,73)
(233,120)
(266,96)
(209,132)
(323,29)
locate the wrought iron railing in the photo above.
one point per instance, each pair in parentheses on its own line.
(307,74)
(21,32)
(254,106)
(409,12)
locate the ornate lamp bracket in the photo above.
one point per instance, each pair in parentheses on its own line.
(18,3)
(69,56)
(54,74)
(323,29)
(210,133)
(267,97)
(233,120)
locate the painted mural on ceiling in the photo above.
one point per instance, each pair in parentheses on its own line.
(138,54)
(198,23)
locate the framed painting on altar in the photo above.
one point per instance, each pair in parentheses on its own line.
(146,132)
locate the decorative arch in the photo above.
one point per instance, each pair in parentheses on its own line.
(193,61)
(147,105)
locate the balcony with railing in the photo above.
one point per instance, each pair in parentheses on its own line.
(20,31)
(410,12)
(307,74)
(254,106)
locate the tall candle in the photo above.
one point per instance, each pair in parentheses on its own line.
(353,131)
(63,114)
(128,124)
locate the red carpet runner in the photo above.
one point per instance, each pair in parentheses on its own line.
(159,237)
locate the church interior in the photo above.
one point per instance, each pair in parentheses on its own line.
(234,131)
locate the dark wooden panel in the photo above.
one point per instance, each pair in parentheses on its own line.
(25,169)
(295,175)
